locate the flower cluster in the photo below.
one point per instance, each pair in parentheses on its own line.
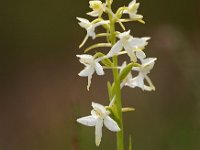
(125,44)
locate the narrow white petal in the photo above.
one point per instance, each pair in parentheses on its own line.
(111,124)
(98,131)
(89,82)
(115,49)
(99,69)
(88,121)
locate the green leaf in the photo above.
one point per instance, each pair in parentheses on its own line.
(126,71)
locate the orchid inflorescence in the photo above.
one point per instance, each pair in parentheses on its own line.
(120,43)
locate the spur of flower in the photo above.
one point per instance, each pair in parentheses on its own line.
(130,44)
(90,28)
(91,65)
(144,69)
(99,117)
(132,10)
(98,8)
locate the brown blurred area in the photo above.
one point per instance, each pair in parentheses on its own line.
(41,94)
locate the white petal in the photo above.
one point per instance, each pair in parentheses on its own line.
(139,42)
(87,71)
(99,69)
(89,82)
(131,52)
(111,124)
(93,13)
(98,131)
(88,121)
(124,34)
(138,81)
(132,3)
(86,59)
(99,108)
(140,54)
(115,49)
(84,23)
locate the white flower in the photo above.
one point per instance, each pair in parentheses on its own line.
(144,69)
(98,8)
(132,10)
(90,28)
(91,65)
(130,44)
(99,117)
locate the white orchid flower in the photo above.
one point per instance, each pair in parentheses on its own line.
(144,69)
(98,8)
(90,28)
(99,117)
(91,65)
(130,44)
(132,10)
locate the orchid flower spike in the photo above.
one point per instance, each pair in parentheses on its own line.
(90,28)
(132,10)
(91,65)
(99,117)
(130,44)
(144,69)
(98,8)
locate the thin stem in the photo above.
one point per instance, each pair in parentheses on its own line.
(117,90)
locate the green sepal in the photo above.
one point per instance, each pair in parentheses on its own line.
(106,61)
(125,71)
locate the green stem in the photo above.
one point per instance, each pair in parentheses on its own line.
(117,90)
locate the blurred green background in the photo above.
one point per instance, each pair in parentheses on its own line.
(41,94)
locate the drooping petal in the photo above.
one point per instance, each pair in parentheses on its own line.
(89,81)
(99,69)
(111,124)
(88,121)
(98,131)
(115,49)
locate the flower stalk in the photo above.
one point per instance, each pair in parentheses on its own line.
(120,43)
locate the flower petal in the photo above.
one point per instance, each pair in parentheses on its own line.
(99,69)
(115,49)
(87,71)
(98,131)
(88,121)
(99,108)
(140,54)
(111,124)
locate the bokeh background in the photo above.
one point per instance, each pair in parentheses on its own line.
(41,94)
